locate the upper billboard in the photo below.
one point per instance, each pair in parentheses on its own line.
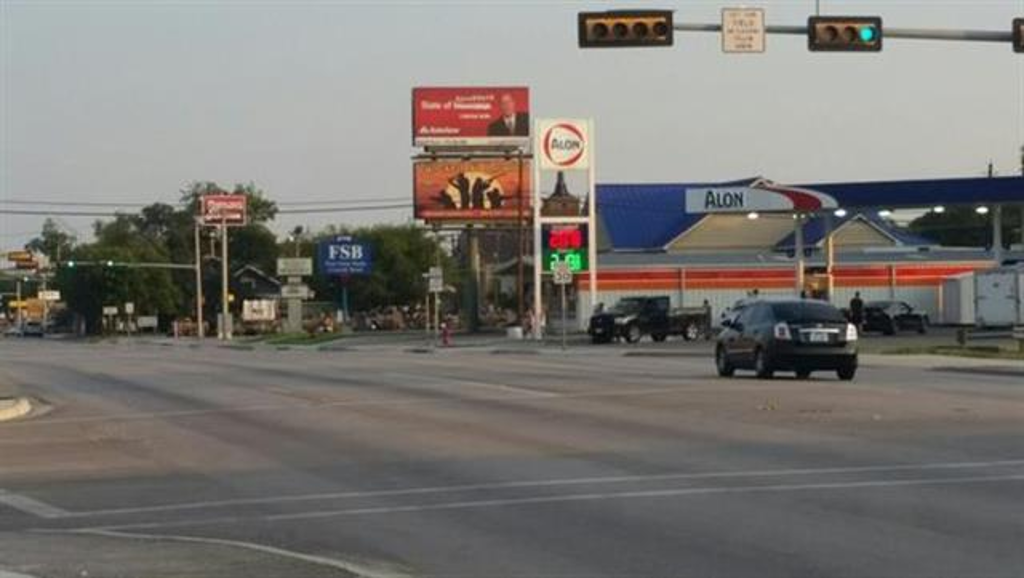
(471,116)
(467,191)
(225,209)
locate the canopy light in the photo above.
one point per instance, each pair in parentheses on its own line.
(840,213)
(982,210)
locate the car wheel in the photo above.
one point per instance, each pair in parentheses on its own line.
(803,373)
(847,372)
(633,333)
(691,332)
(659,337)
(762,366)
(725,369)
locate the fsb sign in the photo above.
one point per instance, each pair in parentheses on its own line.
(344,255)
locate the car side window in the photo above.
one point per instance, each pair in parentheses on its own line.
(745,316)
(761,315)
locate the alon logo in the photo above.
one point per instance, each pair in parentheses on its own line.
(564,145)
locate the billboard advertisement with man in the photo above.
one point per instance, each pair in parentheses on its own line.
(466,191)
(474,116)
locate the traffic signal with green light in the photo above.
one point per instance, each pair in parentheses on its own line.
(844,34)
(69,264)
(625,28)
(1018,34)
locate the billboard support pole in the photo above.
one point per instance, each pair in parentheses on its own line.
(798,253)
(535,316)
(520,273)
(225,323)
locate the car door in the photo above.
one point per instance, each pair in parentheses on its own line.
(905,317)
(742,347)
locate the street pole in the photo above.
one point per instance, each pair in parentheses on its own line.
(225,323)
(200,330)
(563,316)
(46,303)
(21,306)
(798,252)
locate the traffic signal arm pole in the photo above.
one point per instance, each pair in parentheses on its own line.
(908,33)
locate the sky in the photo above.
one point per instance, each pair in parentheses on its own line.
(126,102)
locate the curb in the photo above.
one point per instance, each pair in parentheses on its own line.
(14,408)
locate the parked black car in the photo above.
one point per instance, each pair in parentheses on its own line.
(634,317)
(892,316)
(800,335)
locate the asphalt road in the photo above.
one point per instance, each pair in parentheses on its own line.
(378,461)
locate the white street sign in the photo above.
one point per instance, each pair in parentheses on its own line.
(294,267)
(563,144)
(743,30)
(146,322)
(562,273)
(129,308)
(49,295)
(110,310)
(294,291)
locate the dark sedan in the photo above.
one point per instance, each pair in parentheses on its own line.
(797,335)
(888,317)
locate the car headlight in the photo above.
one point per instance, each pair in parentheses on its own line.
(851,332)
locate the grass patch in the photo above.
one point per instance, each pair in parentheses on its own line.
(303,338)
(979,351)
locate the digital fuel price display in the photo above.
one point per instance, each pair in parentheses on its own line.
(566,243)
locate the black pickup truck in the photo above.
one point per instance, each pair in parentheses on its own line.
(634,317)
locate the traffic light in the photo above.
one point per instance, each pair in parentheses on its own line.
(625,28)
(844,34)
(1018,34)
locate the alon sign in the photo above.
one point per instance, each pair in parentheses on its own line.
(760,197)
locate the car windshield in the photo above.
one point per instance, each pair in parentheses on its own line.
(808,312)
(628,306)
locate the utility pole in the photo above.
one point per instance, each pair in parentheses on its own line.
(997,224)
(200,330)
(21,306)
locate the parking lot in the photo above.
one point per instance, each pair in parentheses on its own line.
(489,460)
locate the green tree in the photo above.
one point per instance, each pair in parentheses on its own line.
(52,242)
(963,227)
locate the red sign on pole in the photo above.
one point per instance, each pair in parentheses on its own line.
(473,116)
(223,209)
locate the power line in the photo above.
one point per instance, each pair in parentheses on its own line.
(75,213)
(56,203)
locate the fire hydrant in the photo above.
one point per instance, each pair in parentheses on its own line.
(446,335)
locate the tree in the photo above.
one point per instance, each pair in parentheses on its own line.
(52,242)
(963,227)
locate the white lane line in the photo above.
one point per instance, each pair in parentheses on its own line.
(549,483)
(29,505)
(565,498)
(362,570)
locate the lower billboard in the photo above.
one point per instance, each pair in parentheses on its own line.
(475,190)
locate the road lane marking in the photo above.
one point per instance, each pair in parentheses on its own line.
(28,505)
(361,570)
(567,498)
(546,483)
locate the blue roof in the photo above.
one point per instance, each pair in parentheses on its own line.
(646,217)
(924,193)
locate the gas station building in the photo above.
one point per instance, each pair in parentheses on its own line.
(828,240)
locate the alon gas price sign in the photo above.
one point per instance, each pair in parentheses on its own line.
(563,144)
(565,244)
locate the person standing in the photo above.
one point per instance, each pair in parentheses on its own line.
(857,310)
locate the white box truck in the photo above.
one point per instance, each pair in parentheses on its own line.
(998,297)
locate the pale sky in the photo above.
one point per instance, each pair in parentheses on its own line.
(126,102)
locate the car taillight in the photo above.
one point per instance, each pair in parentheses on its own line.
(782,332)
(851,332)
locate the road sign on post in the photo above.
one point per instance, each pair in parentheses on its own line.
(743,30)
(294,267)
(562,273)
(48,295)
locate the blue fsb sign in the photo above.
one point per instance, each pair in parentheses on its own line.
(345,256)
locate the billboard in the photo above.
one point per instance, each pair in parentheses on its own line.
(476,190)
(223,209)
(471,116)
(343,255)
